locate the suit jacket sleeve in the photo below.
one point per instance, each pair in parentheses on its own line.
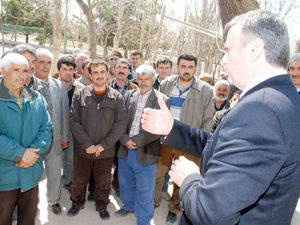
(240,166)
(65,113)
(186,138)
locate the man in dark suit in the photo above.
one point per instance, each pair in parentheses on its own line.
(250,171)
(139,151)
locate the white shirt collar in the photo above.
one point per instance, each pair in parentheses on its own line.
(256,82)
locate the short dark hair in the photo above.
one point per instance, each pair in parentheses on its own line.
(67,60)
(23,48)
(97,62)
(164,61)
(85,63)
(137,52)
(188,57)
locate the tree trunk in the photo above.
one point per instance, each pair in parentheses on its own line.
(92,35)
(158,34)
(297,47)
(143,29)
(118,35)
(231,8)
(57,33)
(43,35)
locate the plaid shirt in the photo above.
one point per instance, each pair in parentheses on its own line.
(135,127)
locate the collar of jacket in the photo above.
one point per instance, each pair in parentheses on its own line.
(27,93)
(37,83)
(88,91)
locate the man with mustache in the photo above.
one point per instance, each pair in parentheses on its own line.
(122,84)
(58,106)
(191,102)
(25,137)
(139,151)
(221,93)
(97,120)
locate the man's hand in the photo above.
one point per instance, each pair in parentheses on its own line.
(130,144)
(23,165)
(29,158)
(158,121)
(91,149)
(64,144)
(181,168)
(99,149)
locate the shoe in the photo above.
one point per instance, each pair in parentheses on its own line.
(91,196)
(122,212)
(103,213)
(171,218)
(56,209)
(74,210)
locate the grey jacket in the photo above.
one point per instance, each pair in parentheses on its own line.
(148,145)
(59,104)
(198,108)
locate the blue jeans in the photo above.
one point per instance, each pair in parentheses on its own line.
(137,187)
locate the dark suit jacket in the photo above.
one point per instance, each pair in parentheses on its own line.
(148,145)
(250,171)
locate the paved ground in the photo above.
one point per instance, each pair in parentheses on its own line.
(88,216)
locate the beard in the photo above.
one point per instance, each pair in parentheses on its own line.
(185,78)
(220,99)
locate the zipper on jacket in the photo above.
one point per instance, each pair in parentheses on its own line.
(98,106)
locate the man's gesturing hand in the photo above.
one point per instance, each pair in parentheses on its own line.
(181,168)
(158,121)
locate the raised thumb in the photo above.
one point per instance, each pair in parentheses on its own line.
(162,103)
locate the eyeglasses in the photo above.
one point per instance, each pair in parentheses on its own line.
(113,59)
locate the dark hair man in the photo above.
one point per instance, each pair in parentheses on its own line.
(163,69)
(97,120)
(191,101)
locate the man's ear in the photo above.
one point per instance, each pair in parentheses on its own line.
(256,49)
(3,72)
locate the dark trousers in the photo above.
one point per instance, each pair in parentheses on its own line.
(25,201)
(101,169)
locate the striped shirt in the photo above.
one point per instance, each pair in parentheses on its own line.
(177,98)
(135,127)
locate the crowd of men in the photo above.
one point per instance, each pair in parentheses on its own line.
(86,121)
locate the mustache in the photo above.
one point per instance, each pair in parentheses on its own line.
(186,74)
(121,73)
